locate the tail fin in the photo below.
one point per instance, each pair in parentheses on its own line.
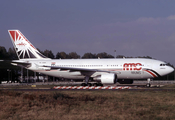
(24,49)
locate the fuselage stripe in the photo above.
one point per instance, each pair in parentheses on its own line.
(150,72)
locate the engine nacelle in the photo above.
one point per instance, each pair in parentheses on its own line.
(106,78)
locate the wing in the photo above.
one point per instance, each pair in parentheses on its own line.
(84,71)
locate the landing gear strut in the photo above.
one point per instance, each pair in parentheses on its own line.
(86,82)
(86,79)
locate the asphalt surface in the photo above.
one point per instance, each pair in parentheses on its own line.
(136,83)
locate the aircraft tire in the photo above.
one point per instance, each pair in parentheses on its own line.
(89,84)
(148,85)
(84,84)
(95,84)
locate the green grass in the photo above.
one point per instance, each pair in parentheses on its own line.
(96,104)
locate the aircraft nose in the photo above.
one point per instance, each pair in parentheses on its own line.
(170,69)
(166,70)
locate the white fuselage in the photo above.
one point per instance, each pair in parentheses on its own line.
(131,68)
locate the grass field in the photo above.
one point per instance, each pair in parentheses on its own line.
(95,104)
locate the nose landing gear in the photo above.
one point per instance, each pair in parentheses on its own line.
(148,82)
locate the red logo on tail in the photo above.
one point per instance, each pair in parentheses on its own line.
(21,44)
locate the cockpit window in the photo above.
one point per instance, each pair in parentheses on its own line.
(163,64)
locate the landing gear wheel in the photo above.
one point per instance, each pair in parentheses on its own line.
(148,85)
(89,84)
(84,84)
(95,84)
(99,84)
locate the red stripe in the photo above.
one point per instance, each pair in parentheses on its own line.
(151,73)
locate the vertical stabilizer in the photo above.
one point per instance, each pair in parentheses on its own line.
(24,49)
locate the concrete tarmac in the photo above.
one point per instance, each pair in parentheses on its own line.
(136,83)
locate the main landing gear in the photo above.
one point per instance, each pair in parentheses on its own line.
(89,84)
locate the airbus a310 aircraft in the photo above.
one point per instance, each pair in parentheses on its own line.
(103,71)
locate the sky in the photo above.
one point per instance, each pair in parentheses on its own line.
(131,27)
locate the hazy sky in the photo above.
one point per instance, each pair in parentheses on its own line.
(131,27)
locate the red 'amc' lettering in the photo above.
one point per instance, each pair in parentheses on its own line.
(132,66)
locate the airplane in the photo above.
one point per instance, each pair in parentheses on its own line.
(101,71)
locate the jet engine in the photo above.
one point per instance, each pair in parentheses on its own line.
(106,78)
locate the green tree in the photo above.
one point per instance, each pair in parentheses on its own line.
(104,55)
(74,55)
(120,56)
(3,53)
(58,55)
(49,54)
(62,55)
(89,55)
(12,54)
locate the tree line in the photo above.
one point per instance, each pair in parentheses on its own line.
(11,55)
